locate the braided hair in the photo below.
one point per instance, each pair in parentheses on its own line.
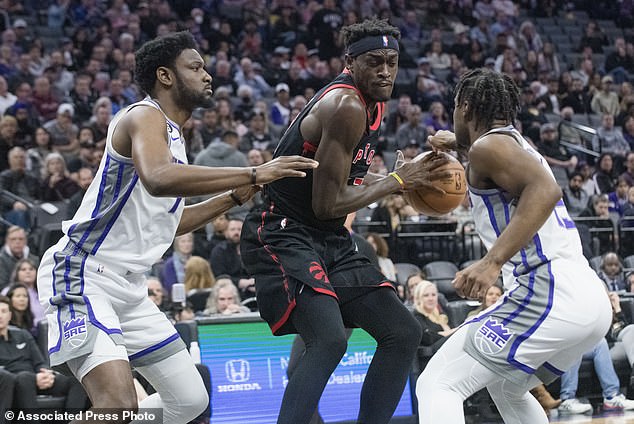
(491,96)
(369,27)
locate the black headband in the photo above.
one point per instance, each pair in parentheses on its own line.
(374,42)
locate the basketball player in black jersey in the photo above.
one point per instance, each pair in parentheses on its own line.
(308,275)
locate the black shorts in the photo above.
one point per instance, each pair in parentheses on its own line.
(284,255)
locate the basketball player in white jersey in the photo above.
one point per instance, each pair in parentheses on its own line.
(554,308)
(92,281)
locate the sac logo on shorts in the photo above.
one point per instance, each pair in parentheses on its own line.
(491,337)
(75,331)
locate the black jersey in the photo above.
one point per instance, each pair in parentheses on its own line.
(293,196)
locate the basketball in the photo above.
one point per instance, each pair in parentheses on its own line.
(431,203)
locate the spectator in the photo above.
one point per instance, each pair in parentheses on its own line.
(324,28)
(43,100)
(604,177)
(174,267)
(428,312)
(223,152)
(603,366)
(83,98)
(64,132)
(281,107)
(21,315)
(561,161)
(259,136)
(609,139)
(548,60)
(598,208)
(6,97)
(247,75)
(411,130)
(84,179)
(410,287)
(611,272)
(593,37)
(628,131)
(210,128)
(628,174)
(618,63)
(399,115)
(37,154)
(589,185)
(23,360)
(491,296)
(100,119)
(551,99)
(576,98)
(605,101)
(16,181)
(379,245)
(224,299)
(8,139)
(575,198)
(57,184)
(198,275)
(225,259)
(157,295)
(438,119)
(618,199)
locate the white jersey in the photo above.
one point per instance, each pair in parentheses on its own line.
(118,221)
(492,212)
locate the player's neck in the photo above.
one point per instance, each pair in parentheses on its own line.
(171,110)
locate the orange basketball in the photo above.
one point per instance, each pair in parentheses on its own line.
(431,203)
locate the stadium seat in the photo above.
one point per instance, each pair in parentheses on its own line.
(404,270)
(457,311)
(442,273)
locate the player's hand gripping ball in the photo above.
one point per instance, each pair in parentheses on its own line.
(433,203)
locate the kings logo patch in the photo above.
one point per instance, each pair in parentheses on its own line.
(491,337)
(75,331)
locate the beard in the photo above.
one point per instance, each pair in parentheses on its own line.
(189,99)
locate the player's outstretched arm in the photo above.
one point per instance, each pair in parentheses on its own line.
(195,216)
(142,136)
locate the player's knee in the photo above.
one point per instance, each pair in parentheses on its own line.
(332,347)
(119,398)
(191,404)
(406,335)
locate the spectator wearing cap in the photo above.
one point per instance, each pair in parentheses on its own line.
(23,39)
(276,69)
(64,132)
(561,161)
(281,107)
(247,75)
(605,100)
(412,129)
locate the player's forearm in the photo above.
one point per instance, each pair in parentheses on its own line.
(352,198)
(191,180)
(533,209)
(195,216)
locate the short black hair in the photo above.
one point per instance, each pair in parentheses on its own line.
(369,27)
(491,95)
(161,51)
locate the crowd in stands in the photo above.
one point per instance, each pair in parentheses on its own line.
(67,67)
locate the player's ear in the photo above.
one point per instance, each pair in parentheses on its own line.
(164,75)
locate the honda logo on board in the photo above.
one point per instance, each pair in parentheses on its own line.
(237,370)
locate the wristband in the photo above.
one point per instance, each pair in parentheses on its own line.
(235,198)
(398,178)
(253,176)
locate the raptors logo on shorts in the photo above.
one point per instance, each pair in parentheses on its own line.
(491,337)
(318,272)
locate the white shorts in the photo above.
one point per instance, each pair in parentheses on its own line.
(86,299)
